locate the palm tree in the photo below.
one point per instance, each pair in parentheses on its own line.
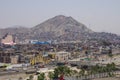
(41,76)
(31,77)
(74,72)
(82,72)
(67,71)
(62,70)
(51,75)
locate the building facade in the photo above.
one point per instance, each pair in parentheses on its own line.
(62,56)
(8,40)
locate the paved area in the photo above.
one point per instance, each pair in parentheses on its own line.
(13,77)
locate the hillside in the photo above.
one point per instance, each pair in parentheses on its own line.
(20,32)
(59,28)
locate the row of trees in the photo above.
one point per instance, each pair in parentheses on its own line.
(58,73)
(102,69)
(66,71)
(61,71)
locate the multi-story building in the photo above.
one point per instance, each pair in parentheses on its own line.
(5,57)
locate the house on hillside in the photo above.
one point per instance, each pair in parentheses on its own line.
(8,40)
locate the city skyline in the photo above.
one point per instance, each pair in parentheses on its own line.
(97,15)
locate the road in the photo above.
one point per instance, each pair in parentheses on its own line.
(12,72)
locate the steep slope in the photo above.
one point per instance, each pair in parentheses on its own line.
(59,26)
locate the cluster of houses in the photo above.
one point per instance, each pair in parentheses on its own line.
(37,52)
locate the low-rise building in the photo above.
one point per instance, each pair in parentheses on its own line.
(8,40)
(62,56)
(14,59)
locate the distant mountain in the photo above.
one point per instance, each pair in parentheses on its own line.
(17,31)
(57,28)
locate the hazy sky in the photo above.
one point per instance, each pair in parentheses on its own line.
(99,15)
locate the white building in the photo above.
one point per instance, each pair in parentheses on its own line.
(62,56)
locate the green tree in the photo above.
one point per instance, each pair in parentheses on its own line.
(31,77)
(41,76)
(110,55)
(62,70)
(82,72)
(51,75)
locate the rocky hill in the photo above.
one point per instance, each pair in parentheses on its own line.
(57,28)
